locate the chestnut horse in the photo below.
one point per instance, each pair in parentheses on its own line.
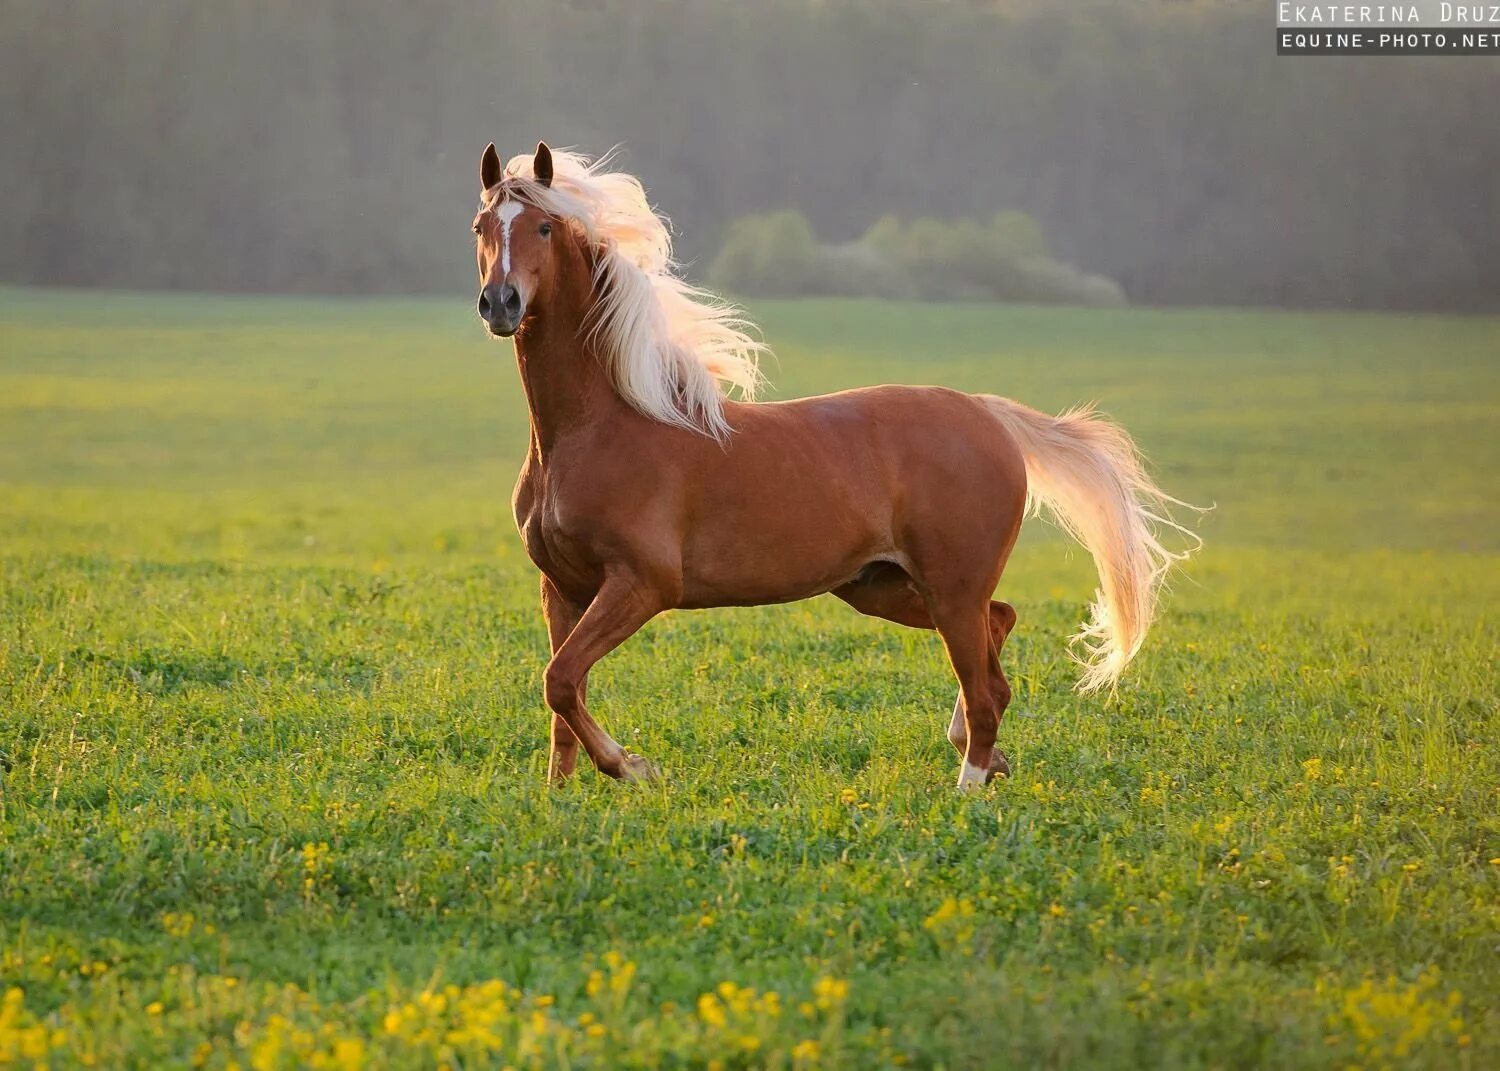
(646,488)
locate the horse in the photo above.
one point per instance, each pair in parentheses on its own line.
(648,486)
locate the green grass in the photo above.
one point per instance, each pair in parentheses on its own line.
(260,593)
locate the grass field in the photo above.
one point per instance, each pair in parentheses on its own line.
(270,670)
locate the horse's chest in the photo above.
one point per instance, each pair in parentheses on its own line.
(554,540)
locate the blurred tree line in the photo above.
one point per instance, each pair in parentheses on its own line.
(1004,259)
(332,145)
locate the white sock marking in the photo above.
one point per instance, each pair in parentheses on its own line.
(507,211)
(972,776)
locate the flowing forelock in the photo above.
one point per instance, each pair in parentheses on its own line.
(672,350)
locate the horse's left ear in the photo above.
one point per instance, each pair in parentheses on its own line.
(541,164)
(489,167)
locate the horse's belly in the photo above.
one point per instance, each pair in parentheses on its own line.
(783,557)
(761,588)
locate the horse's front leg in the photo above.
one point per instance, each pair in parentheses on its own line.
(562,617)
(624,603)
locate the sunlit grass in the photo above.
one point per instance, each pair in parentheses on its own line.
(270,665)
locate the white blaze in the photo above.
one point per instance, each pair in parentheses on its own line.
(507,211)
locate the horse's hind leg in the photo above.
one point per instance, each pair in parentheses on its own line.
(1002,621)
(983,690)
(889,593)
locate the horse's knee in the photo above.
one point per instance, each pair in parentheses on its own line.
(560,689)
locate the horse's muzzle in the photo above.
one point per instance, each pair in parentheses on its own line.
(501,309)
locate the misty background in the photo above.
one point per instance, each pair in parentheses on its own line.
(332,146)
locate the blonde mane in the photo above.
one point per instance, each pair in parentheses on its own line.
(672,350)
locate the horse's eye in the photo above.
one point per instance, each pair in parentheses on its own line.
(476,228)
(545,229)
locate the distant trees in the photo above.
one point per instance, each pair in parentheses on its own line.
(332,145)
(776,255)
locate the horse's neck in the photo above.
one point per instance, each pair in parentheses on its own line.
(566,387)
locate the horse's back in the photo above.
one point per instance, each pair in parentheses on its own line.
(917,434)
(888,472)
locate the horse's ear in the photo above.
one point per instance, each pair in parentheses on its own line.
(541,164)
(489,167)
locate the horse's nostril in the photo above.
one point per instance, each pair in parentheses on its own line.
(510,299)
(484,304)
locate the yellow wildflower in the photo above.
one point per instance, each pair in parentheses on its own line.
(805,1052)
(623,974)
(711,1011)
(828,992)
(349,1054)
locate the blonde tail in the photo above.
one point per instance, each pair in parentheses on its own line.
(1086,472)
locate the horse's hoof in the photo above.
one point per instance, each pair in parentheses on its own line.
(637,768)
(999,764)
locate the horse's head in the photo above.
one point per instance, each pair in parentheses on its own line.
(517,245)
